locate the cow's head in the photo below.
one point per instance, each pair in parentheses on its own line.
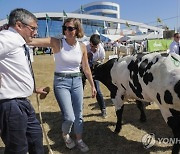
(101,72)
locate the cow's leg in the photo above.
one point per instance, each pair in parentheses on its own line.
(174,123)
(172,117)
(119,120)
(140,106)
(118,102)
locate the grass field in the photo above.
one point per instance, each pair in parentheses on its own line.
(98,132)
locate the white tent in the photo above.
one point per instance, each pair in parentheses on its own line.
(96,32)
(83,39)
(146,36)
(112,37)
(125,38)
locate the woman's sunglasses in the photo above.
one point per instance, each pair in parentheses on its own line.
(68,28)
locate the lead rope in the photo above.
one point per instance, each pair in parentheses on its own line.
(39,107)
(41,121)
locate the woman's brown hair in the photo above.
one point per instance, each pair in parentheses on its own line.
(77,25)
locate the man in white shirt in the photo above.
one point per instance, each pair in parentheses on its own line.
(19,128)
(175,45)
(96,54)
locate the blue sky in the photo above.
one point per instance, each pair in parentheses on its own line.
(136,10)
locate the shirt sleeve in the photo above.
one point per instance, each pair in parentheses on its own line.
(4,45)
(102,53)
(173,48)
(9,41)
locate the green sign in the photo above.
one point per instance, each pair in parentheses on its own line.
(159,45)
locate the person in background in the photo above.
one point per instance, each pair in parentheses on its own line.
(144,44)
(19,128)
(175,45)
(69,55)
(115,47)
(96,54)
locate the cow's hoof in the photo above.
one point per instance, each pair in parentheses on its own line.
(116,131)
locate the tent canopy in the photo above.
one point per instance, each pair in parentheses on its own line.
(107,38)
(146,36)
(124,38)
(96,32)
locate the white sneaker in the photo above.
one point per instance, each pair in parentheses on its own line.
(104,114)
(82,146)
(68,141)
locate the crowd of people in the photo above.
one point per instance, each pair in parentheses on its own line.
(19,128)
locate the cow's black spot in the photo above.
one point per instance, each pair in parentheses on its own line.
(133,68)
(158,98)
(138,92)
(135,85)
(157,59)
(175,113)
(142,67)
(168,97)
(112,88)
(122,97)
(177,88)
(164,54)
(149,66)
(123,86)
(148,77)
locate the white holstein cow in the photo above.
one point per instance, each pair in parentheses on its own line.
(153,77)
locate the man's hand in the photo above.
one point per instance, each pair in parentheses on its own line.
(43,91)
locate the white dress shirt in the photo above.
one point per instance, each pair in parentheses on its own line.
(15,77)
(174,47)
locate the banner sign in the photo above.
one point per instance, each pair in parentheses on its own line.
(159,44)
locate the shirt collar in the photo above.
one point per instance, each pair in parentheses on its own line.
(20,38)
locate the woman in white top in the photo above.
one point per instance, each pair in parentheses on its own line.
(68,89)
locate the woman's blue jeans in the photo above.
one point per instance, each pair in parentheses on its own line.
(69,94)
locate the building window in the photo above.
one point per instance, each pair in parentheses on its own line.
(94,7)
(104,14)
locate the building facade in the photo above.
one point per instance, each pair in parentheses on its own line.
(104,9)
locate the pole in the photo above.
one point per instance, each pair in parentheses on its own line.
(47,28)
(177,15)
(63,19)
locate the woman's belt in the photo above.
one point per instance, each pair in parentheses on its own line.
(68,75)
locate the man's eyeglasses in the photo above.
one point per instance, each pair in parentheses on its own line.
(177,37)
(68,28)
(31,28)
